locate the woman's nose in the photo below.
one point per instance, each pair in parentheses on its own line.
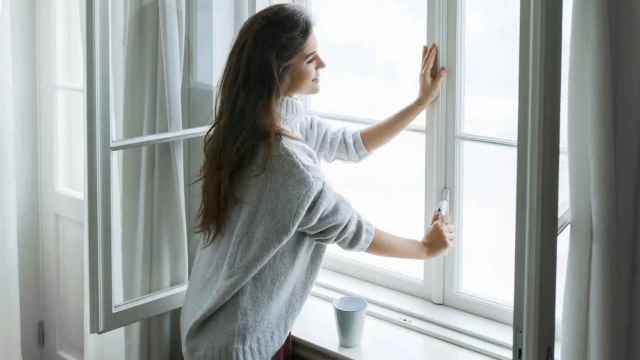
(321,63)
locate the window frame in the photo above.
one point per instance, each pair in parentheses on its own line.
(442,130)
(103,314)
(57,86)
(452,23)
(422,289)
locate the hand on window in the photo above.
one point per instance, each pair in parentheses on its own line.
(432,76)
(439,236)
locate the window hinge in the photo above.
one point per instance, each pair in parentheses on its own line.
(41,333)
(518,344)
(549,353)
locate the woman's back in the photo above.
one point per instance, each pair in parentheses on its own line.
(248,286)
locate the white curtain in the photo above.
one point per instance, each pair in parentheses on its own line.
(601,319)
(10,328)
(147,70)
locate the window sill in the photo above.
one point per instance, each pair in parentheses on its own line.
(426,331)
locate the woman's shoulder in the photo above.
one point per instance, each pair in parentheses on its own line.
(295,158)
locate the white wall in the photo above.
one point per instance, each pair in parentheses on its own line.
(9,303)
(18,178)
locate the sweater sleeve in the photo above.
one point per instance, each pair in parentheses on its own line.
(341,143)
(327,217)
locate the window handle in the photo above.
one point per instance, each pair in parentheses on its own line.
(443,205)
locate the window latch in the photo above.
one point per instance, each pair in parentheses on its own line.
(443,205)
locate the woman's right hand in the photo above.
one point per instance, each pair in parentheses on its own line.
(432,76)
(439,236)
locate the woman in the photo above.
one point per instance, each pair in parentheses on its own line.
(267,211)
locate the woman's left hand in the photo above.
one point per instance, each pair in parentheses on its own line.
(431,79)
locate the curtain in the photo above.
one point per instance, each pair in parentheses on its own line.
(10,330)
(601,316)
(147,70)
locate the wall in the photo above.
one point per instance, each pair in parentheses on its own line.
(19,252)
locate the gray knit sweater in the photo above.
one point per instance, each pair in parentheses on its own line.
(247,287)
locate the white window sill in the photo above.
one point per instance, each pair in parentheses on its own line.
(427,331)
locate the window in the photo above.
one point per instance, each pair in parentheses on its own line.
(67,92)
(147,113)
(468,144)
(465,143)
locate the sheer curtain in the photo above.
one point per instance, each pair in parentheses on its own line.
(601,313)
(10,329)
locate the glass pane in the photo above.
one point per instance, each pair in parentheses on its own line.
(162,72)
(563,195)
(69,46)
(561,270)
(372,68)
(490,66)
(148,219)
(563,184)
(202,38)
(564,237)
(387,188)
(486,229)
(70,140)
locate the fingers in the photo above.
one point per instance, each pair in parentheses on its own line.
(425,54)
(442,75)
(439,217)
(435,216)
(441,223)
(428,52)
(430,59)
(444,218)
(430,64)
(435,67)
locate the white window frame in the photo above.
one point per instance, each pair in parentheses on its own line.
(443,127)
(449,20)
(365,272)
(57,86)
(104,315)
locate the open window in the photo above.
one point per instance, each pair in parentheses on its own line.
(151,72)
(149,106)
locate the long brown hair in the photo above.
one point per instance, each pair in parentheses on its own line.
(246,107)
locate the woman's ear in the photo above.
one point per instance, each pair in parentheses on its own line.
(285,82)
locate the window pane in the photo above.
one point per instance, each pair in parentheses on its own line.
(564,237)
(69,54)
(490,39)
(163,83)
(372,67)
(202,37)
(148,220)
(563,195)
(387,188)
(561,269)
(563,184)
(486,238)
(70,140)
